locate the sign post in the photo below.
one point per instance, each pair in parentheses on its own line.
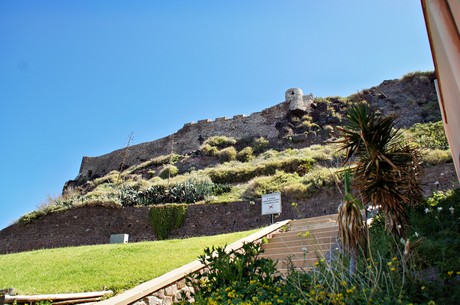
(271,204)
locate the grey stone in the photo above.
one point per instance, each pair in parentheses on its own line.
(152,300)
(171,290)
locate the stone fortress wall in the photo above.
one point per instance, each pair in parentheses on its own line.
(413,97)
(190,137)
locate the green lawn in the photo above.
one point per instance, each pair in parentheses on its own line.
(92,268)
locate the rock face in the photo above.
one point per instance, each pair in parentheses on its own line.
(284,124)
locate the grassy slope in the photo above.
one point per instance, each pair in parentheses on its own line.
(92,268)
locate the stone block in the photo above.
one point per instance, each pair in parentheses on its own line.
(171,290)
(160,294)
(151,300)
(168,300)
(181,284)
(119,238)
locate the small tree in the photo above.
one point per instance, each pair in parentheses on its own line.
(386,170)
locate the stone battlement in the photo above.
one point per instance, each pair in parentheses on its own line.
(190,136)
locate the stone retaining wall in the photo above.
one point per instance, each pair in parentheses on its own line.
(94,224)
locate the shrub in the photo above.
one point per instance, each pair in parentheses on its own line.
(429,135)
(209,150)
(436,156)
(328,128)
(246,154)
(269,184)
(189,191)
(437,223)
(220,141)
(235,277)
(129,195)
(227,154)
(310,125)
(239,172)
(165,218)
(169,171)
(260,145)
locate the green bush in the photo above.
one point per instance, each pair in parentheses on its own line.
(242,172)
(235,277)
(190,191)
(158,161)
(260,145)
(436,156)
(245,155)
(429,135)
(227,154)
(437,222)
(220,141)
(165,218)
(169,171)
(209,150)
(269,184)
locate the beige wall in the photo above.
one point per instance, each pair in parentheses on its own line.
(442,18)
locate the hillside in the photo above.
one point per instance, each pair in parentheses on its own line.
(219,169)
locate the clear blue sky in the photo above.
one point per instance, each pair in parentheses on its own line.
(77,77)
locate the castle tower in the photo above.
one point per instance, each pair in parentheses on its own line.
(295,98)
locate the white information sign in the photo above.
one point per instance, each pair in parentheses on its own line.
(271,203)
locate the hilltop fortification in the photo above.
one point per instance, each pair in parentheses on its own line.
(190,137)
(300,120)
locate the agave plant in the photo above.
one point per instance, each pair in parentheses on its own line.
(386,168)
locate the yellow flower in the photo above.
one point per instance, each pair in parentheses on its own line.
(450,273)
(390,263)
(395,259)
(211,302)
(231,294)
(431,303)
(392,268)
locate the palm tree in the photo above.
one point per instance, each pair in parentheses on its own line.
(386,169)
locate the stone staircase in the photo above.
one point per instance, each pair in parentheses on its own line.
(303,243)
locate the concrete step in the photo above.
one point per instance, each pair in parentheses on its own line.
(294,255)
(312,233)
(316,218)
(312,220)
(311,239)
(303,264)
(312,226)
(295,247)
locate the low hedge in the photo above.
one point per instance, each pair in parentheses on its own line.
(166,217)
